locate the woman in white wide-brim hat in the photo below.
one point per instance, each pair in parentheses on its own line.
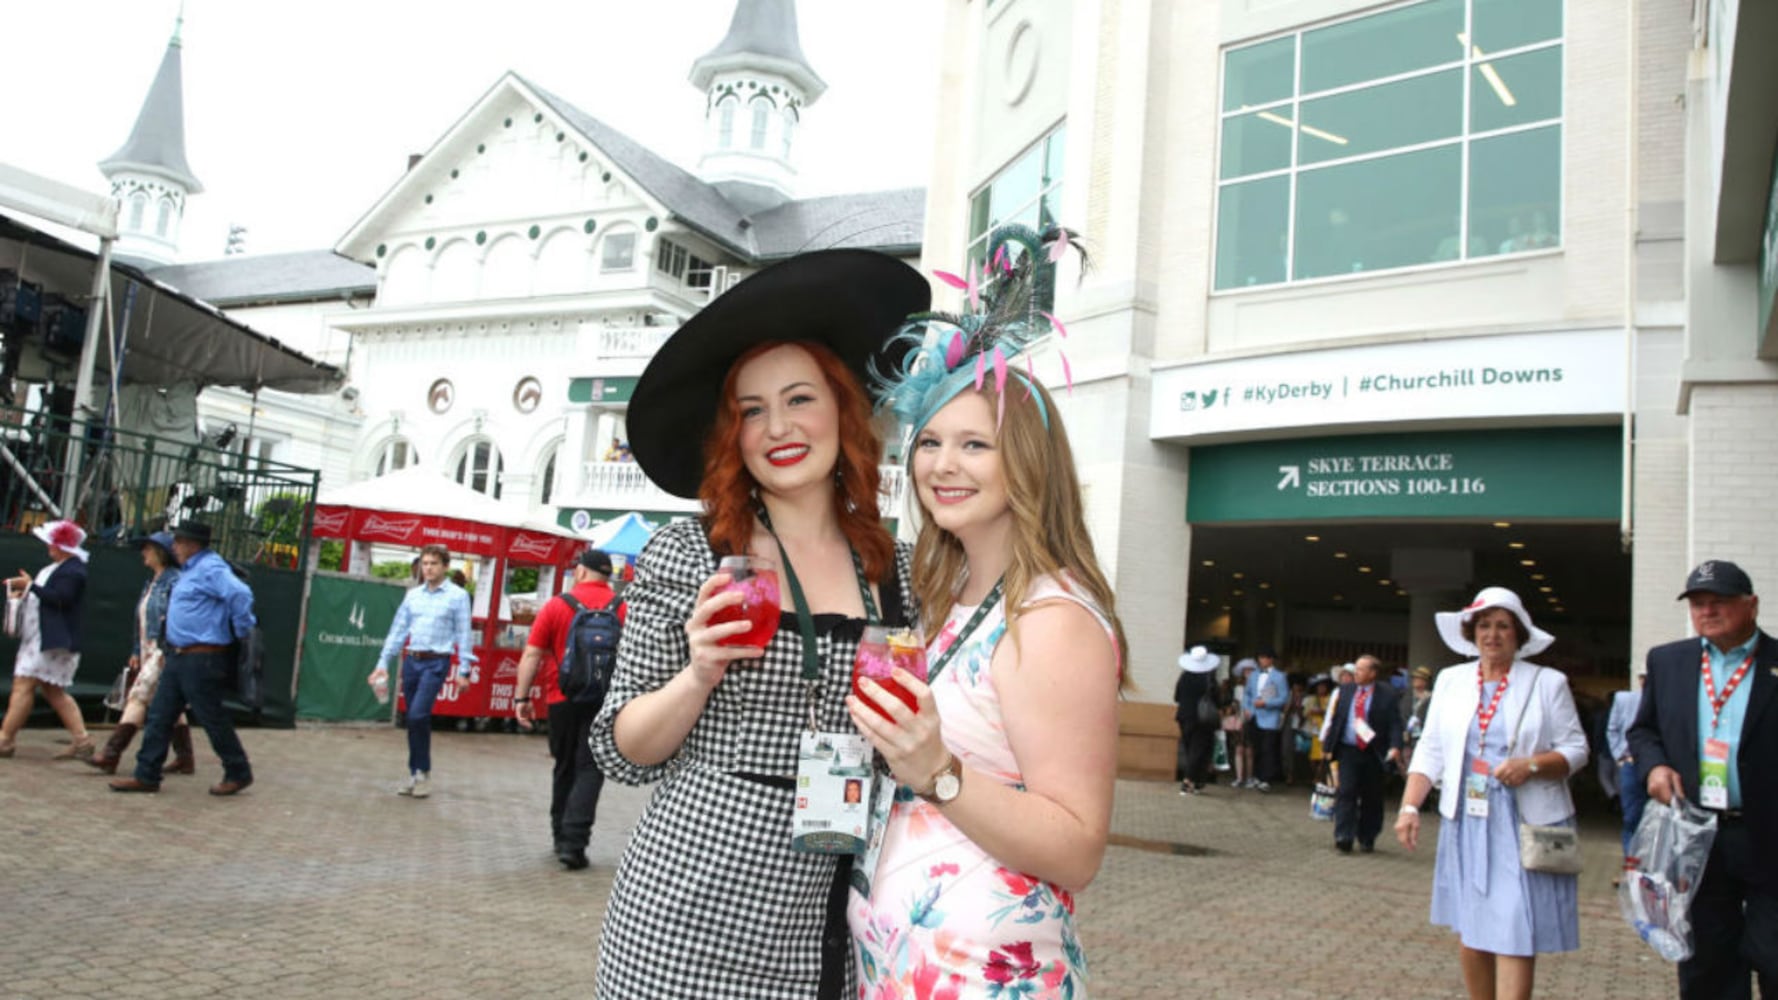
(1501,739)
(1197,730)
(49,637)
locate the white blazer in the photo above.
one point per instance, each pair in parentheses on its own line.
(1550,723)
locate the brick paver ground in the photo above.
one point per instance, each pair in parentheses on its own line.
(319,882)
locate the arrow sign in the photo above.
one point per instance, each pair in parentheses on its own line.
(1293,476)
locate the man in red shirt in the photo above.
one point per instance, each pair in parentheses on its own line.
(574,794)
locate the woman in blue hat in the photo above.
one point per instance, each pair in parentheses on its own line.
(146,658)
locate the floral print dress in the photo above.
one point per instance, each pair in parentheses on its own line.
(944,920)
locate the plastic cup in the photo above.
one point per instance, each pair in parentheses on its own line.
(379,683)
(756,580)
(882,650)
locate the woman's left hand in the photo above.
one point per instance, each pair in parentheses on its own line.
(911,743)
(1513,771)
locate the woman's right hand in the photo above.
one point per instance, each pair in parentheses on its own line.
(1407,829)
(710,659)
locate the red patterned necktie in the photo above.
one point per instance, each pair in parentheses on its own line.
(1358,707)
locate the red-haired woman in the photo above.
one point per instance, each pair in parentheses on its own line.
(710,899)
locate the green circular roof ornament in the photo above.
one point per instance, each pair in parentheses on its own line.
(481,237)
(606,177)
(583,157)
(536,231)
(428,199)
(590,225)
(481,147)
(453,173)
(560,136)
(652,224)
(383,248)
(537,117)
(431,242)
(509,123)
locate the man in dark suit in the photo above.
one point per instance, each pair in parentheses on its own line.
(1707,731)
(1364,732)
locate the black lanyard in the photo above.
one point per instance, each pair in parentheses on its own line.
(975,621)
(805,622)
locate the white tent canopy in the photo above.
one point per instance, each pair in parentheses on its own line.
(426,491)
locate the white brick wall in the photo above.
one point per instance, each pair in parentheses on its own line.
(1734,480)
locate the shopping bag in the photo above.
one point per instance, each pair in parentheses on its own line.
(1219,756)
(1662,872)
(1321,804)
(15,614)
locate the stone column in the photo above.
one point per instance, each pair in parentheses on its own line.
(1436,580)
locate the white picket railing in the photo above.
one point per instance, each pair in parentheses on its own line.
(632,341)
(622,486)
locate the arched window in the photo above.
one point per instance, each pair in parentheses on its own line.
(725,122)
(138,210)
(546,483)
(479,467)
(164,218)
(762,118)
(395,454)
(789,125)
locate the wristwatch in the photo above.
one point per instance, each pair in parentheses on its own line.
(1534,765)
(946,783)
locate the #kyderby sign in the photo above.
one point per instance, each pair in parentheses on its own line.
(1564,374)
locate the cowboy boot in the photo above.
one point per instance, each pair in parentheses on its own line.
(183,761)
(106,759)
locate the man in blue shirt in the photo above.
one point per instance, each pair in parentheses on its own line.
(433,623)
(1707,732)
(209,610)
(1268,690)
(1632,793)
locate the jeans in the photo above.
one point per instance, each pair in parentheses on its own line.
(421,677)
(195,680)
(1632,793)
(577,781)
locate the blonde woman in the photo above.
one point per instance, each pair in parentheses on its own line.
(996,822)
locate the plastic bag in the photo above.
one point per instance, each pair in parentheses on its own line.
(1321,804)
(15,614)
(1662,873)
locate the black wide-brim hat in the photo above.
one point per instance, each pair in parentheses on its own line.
(849,301)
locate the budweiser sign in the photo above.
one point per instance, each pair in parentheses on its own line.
(532,546)
(332,522)
(380,524)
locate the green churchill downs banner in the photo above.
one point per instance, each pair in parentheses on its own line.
(348,618)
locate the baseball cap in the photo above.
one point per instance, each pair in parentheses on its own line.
(1716,576)
(595,560)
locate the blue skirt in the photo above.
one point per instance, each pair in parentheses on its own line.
(1480,891)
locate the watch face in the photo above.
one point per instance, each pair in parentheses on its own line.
(947,787)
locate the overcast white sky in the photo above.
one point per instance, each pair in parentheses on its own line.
(298,117)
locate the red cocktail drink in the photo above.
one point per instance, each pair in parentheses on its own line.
(757,582)
(880,652)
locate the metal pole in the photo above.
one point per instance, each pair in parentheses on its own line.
(83,386)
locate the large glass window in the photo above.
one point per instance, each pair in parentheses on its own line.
(1028,192)
(1427,132)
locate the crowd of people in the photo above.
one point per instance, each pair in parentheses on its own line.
(976,826)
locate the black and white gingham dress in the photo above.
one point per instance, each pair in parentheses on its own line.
(709,900)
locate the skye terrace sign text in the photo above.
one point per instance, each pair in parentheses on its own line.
(1566,472)
(1566,374)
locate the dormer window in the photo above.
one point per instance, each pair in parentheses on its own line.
(138,210)
(789,126)
(164,218)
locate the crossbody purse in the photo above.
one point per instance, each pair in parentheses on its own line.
(1551,849)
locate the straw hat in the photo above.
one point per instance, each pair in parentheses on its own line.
(1450,623)
(1199,660)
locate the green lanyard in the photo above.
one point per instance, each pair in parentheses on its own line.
(975,621)
(805,622)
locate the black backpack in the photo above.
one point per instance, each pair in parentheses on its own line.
(590,653)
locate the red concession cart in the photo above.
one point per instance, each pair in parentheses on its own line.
(416,507)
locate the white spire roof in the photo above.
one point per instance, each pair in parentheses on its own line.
(761,35)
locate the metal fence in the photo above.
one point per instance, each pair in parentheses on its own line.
(131,484)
